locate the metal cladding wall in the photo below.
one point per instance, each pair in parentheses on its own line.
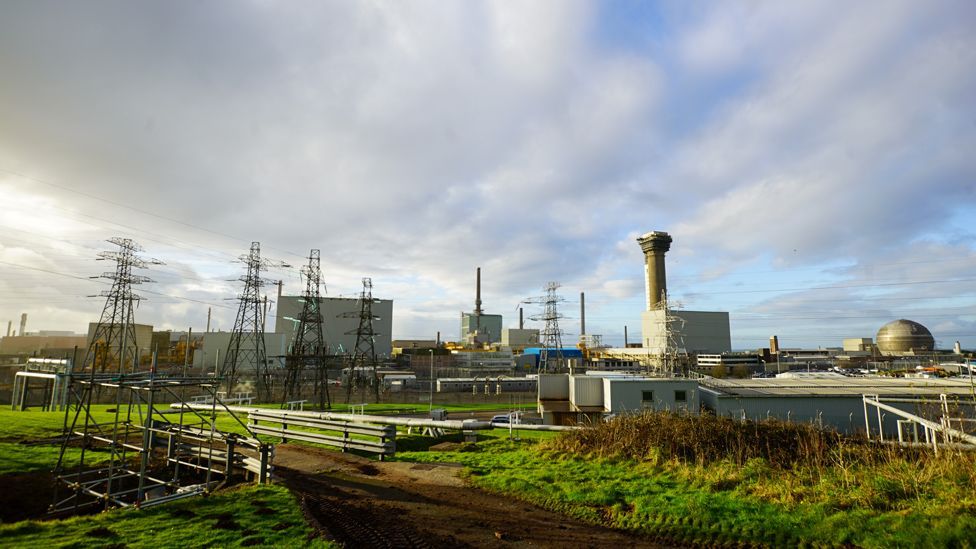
(586,391)
(626,395)
(843,413)
(553,387)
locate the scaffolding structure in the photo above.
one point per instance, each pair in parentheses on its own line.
(134,455)
(362,363)
(551,352)
(308,351)
(668,363)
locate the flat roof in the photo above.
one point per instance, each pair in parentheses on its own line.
(843,386)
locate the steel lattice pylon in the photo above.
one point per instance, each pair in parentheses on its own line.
(308,350)
(113,344)
(246,346)
(551,353)
(364,356)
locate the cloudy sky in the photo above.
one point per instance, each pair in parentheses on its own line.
(815,162)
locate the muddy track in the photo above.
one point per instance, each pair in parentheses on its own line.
(363,503)
(355,522)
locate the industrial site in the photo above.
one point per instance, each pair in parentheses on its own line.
(143,405)
(560,274)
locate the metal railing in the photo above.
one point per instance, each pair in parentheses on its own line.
(933,430)
(337,433)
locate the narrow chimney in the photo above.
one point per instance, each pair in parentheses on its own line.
(209,310)
(10,324)
(774,345)
(625,336)
(477,297)
(438,338)
(582,314)
(23,323)
(521,322)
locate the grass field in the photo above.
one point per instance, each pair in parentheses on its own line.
(906,501)
(240,517)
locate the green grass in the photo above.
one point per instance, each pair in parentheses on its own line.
(884,504)
(259,515)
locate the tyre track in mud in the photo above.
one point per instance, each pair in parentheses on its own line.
(362,503)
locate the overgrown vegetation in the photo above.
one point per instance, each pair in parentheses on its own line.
(701,479)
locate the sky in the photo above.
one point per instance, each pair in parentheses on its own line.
(813,161)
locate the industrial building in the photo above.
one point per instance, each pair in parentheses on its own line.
(214,349)
(567,399)
(43,343)
(340,320)
(827,399)
(142,344)
(487,385)
(478,328)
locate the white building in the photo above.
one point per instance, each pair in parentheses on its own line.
(566,399)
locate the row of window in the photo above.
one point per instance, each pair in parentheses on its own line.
(679,396)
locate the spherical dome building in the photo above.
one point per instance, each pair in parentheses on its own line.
(904,336)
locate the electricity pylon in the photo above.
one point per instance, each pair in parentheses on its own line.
(364,356)
(551,353)
(308,350)
(246,346)
(113,342)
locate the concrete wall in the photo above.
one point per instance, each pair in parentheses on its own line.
(701,332)
(336,328)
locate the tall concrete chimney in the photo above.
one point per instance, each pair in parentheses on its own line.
(10,324)
(774,345)
(654,245)
(23,323)
(521,322)
(625,336)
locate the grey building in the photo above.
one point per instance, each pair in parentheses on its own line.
(340,320)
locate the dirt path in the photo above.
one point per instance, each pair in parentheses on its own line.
(364,503)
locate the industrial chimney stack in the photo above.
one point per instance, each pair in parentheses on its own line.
(654,245)
(23,324)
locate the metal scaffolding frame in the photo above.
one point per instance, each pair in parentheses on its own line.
(139,457)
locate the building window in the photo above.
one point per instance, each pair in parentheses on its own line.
(680,396)
(647,396)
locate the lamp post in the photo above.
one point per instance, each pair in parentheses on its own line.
(430,404)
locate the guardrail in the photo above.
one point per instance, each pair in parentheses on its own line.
(932,429)
(384,446)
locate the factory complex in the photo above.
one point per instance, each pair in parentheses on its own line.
(683,360)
